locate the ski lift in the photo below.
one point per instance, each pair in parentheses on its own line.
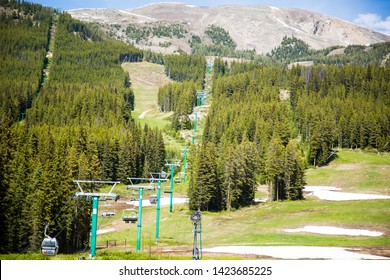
(49,245)
(129,215)
(167,190)
(177,180)
(153,199)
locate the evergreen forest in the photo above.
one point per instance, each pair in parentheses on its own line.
(66,114)
(267,124)
(75,123)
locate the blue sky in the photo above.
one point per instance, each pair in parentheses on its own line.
(374,14)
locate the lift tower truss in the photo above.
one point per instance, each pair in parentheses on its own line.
(171,165)
(158,177)
(141,189)
(96,196)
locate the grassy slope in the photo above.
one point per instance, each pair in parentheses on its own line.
(355,171)
(264,224)
(146,78)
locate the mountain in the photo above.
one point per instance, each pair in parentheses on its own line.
(259,28)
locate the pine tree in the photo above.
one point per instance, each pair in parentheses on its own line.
(273,169)
(293,172)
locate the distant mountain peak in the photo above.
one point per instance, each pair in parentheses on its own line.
(259,28)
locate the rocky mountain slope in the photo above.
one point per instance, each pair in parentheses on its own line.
(259,28)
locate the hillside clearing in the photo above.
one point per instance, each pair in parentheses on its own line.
(146,78)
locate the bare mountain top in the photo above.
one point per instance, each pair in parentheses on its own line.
(251,27)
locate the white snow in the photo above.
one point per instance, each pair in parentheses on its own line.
(137,15)
(164,201)
(313,252)
(295,252)
(288,26)
(335,231)
(333,193)
(101,231)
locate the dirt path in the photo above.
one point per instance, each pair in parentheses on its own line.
(146,78)
(143,114)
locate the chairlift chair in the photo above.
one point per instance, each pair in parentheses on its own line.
(167,189)
(129,215)
(177,180)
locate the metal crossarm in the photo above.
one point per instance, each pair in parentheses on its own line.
(78,182)
(95,205)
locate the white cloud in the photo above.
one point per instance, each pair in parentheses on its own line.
(374,22)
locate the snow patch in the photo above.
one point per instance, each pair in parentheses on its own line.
(295,252)
(137,15)
(102,231)
(164,201)
(335,231)
(334,194)
(288,26)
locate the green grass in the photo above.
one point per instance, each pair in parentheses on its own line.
(261,224)
(146,79)
(354,171)
(264,224)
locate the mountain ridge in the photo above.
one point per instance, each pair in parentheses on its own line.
(259,28)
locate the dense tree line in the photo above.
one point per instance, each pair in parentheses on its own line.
(249,135)
(327,107)
(221,67)
(189,71)
(24,38)
(292,49)
(289,48)
(346,107)
(172,30)
(179,98)
(220,36)
(185,68)
(77,126)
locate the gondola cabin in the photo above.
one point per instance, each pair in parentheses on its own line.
(153,199)
(49,246)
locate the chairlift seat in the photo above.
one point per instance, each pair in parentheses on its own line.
(108,214)
(131,216)
(167,190)
(128,219)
